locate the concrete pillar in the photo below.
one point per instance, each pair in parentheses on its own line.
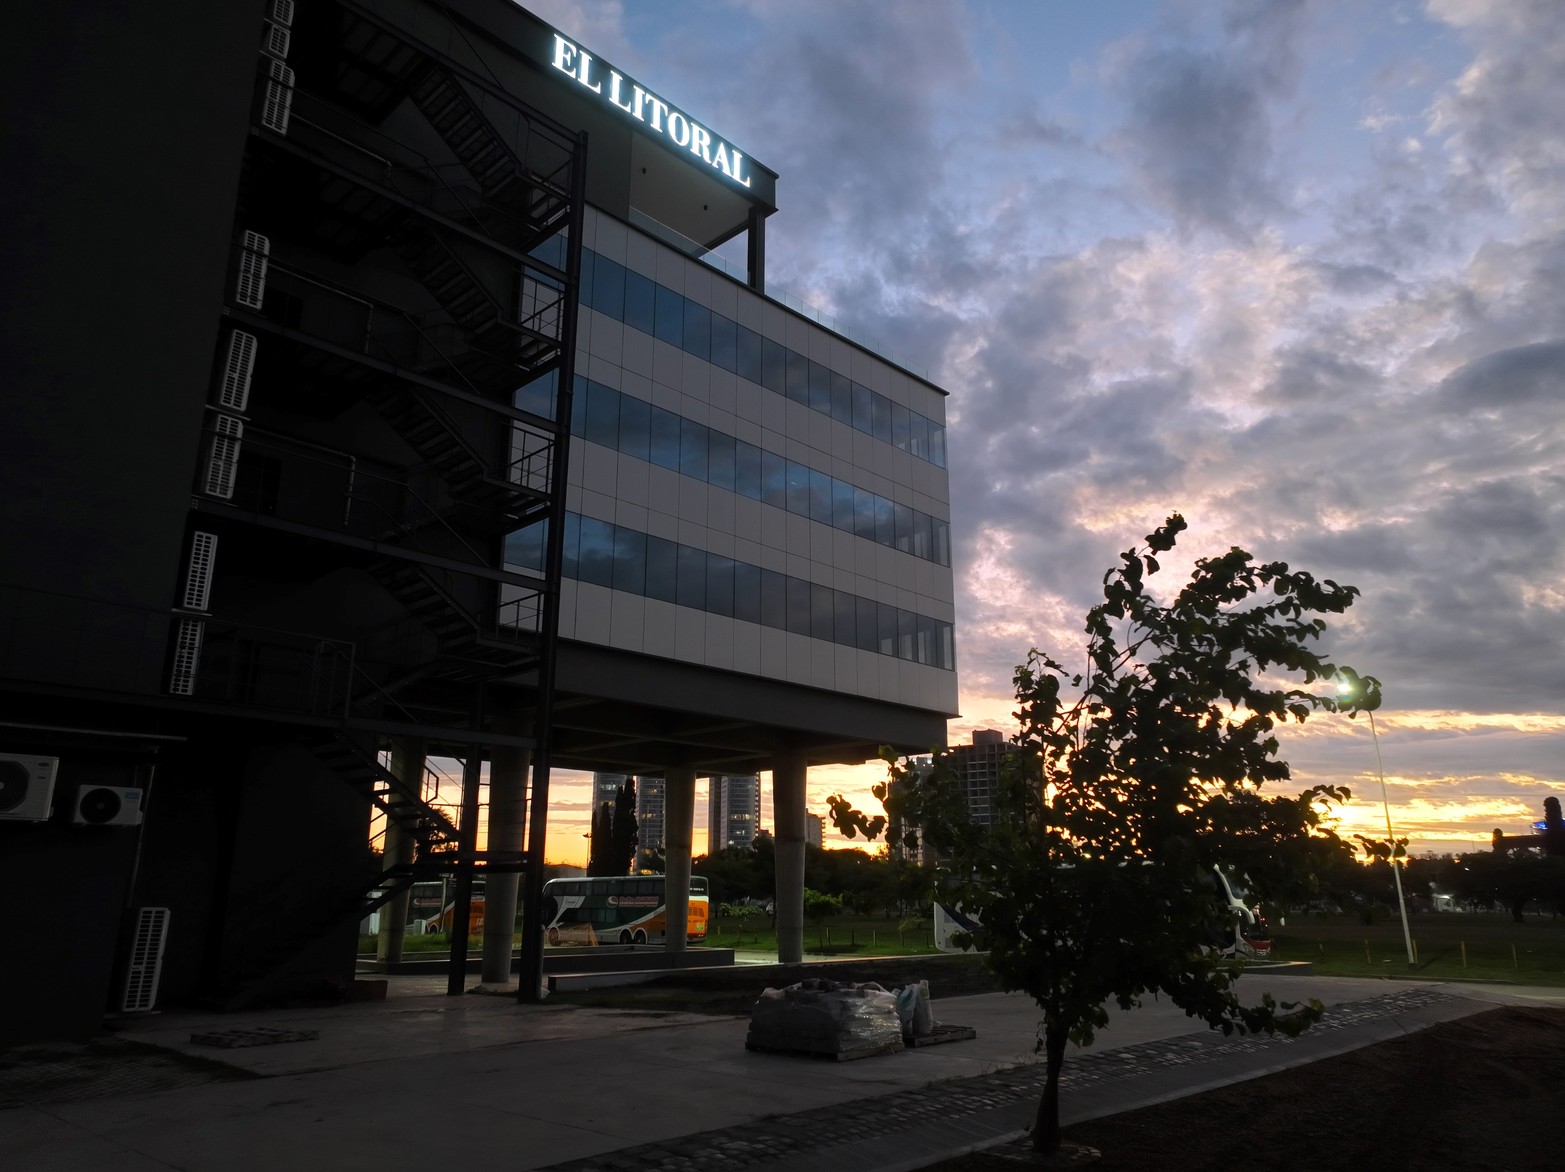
(789,768)
(407,763)
(508,769)
(679,820)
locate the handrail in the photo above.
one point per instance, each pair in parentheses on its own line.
(376,343)
(353,468)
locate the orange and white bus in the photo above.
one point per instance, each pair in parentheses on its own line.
(618,909)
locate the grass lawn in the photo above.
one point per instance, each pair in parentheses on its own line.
(1448,946)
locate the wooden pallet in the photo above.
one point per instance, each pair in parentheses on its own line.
(830,1055)
(257,1036)
(942,1033)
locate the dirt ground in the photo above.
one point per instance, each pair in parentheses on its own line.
(1485,1092)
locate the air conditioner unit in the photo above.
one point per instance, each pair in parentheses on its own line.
(146,959)
(277,105)
(223,456)
(254,251)
(107,805)
(234,394)
(26,786)
(275,41)
(198,571)
(186,659)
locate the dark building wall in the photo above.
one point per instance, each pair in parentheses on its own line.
(65,893)
(121,145)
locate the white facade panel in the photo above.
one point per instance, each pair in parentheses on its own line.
(695,505)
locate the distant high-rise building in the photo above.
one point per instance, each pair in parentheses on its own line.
(813,828)
(733,811)
(605,787)
(649,812)
(978,767)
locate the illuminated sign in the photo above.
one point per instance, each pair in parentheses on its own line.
(650,110)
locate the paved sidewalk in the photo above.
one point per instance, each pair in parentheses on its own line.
(425,1078)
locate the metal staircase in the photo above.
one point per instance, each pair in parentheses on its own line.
(492,503)
(470,649)
(453,114)
(523,335)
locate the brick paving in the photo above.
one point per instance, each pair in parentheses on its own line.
(785,1139)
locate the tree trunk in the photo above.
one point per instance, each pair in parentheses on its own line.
(1046,1125)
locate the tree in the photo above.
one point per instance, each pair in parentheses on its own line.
(598,840)
(818,905)
(1132,779)
(625,832)
(615,834)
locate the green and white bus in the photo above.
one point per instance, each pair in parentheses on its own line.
(618,909)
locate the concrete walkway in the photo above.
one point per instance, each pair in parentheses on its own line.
(422,1079)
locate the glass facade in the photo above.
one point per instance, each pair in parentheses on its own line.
(628,560)
(641,303)
(602,415)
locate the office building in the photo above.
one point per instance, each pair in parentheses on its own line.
(733,811)
(371,396)
(649,814)
(978,767)
(813,829)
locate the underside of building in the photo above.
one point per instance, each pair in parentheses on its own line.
(374,398)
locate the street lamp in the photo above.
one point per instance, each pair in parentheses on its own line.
(1355,688)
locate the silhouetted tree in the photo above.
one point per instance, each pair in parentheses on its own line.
(625,832)
(1133,778)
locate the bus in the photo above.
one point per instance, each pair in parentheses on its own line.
(617,909)
(1246,935)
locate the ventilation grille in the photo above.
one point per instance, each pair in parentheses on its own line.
(235,392)
(277,105)
(146,959)
(187,657)
(223,457)
(253,253)
(198,574)
(276,40)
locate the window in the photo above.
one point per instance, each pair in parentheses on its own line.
(798,378)
(747,470)
(719,585)
(670,313)
(691,587)
(640,302)
(774,366)
(749,355)
(608,287)
(662,569)
(665,438)
(640,563)
(635,427)
(724,343)
(698,330)
(692,449)
(630,560)
(596,558)
(602,415)
(820,388)
(720,455)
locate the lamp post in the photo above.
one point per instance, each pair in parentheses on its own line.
(1356,689)
(1396,872)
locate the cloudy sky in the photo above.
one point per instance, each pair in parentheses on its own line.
(1293,268)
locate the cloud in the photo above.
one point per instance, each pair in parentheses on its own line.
(1199,129)
(1501,118)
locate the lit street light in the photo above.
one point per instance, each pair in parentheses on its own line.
(1365,692)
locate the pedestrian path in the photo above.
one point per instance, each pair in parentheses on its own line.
(422,1079)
